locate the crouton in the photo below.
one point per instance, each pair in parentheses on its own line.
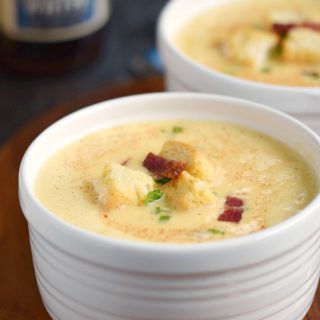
(302,45)
(251,46)
(120,186)
(187,192)
(196,163)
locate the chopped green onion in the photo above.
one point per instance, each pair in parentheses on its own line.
(177,129)
(159,209)
(266,70)
(276,52)
(216,231)
(153,196)
(162,180)
(164,218)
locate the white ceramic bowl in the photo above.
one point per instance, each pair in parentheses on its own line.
(272,274)
(184,74)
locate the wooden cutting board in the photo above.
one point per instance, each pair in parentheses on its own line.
(19,296)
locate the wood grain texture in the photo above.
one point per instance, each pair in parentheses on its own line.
(19,296)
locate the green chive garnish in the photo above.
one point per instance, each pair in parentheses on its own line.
(153,196)
(164,218)
(177,129)
(266,70)
(159,210)
(162,180)
(216,231)
(276,52)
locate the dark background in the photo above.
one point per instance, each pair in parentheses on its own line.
(128,40)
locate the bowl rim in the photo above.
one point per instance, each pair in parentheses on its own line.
(78,232)
(164,37)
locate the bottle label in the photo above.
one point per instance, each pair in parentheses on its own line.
(53,13)
(52,20)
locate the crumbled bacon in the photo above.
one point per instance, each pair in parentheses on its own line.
(162,167)
(233,209)
(311,25)
(233,202)
(231,215)
(284,28)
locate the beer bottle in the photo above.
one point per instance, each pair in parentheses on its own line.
(46,37)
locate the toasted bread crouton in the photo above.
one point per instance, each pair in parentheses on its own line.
(187,192)
(251,46)
(302,45)
(196,163)
(120,186)
(285,17)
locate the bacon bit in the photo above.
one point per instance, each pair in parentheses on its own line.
(162,167)
(125,162)
(231,215)
(233,209)
(311,25)
(283,28)
(233,202)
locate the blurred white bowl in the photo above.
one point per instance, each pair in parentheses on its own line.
(184,74)
(272,274)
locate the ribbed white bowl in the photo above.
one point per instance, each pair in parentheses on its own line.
(269,275)
(185,74)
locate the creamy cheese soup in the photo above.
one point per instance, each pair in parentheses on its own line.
(273,41)
(175,181)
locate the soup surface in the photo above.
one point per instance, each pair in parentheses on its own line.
(273,41)
(175,181)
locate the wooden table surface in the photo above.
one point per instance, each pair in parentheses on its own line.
(19,296)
